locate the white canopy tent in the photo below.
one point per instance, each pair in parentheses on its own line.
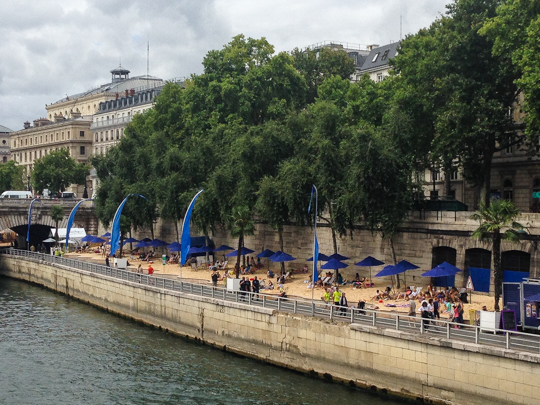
(75,234)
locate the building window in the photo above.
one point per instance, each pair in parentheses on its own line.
(434,195)
(96,137)
(385,54)
(81,133)
(107,134)
(380,77)
(68,135)
(101,136)
(82,150)
(117,134)
(62,136)
(375,57)
(57,136)
(435,175)
(509,150)
(508,190)
(454,175)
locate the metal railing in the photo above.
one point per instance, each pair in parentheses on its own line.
(426,328)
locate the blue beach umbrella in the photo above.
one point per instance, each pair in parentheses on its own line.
(222,248)
(130,240)
(266,253)
(106,235)
(97,240)
(146,240)
(87,238)
(205,249)
(193,250)
(339,257)
(283,257)
(322,257)
(405,265)
(442,270)
(244,251)
(334,264)
(389,271)
(369,262)
(142,244)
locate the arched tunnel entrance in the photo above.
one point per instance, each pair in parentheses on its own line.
(38,233)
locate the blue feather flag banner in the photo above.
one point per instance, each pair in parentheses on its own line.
(72,218)
(115,232)
(30,218)
(186,234)
(315,240)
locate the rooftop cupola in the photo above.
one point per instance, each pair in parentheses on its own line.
(119,74)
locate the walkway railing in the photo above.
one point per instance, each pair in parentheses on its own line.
(427,328)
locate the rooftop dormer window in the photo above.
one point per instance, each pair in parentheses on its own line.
(385,54)
(375,57)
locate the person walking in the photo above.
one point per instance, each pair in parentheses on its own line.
(107,262)
(425,314)
(214,279)
(256,286)
(343,303)
(336,296)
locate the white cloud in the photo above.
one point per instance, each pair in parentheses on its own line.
(53,48)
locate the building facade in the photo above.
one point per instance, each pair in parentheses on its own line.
(112,117)
(5,144)
(37,141)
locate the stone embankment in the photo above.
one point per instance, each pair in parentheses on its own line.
(388,361)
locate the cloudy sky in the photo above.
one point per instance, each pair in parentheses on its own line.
(52,48)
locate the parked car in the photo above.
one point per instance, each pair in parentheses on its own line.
(16,194)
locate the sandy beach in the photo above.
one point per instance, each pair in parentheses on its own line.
(295,287)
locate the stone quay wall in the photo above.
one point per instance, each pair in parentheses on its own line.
(419,235)
(392,362)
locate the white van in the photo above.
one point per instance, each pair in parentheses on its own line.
(16,194)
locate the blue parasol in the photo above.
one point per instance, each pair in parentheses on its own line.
(334,264)
(266,253)
(244,251)
(389,271)
(322,257)
(223,247)
(442,270)
(283,257)
(106,235)
(339,257)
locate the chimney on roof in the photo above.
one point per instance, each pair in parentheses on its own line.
(75,114)
(132,92)
(372,47)
(26,125)
(58,118)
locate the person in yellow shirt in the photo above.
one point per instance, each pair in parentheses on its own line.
(327,296)
(337,296)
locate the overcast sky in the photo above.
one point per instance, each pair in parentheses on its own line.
(52,48)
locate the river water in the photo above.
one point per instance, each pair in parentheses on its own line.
(56,350)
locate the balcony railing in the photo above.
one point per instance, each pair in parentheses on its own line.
(111,122)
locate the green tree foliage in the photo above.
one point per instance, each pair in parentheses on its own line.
(316,65)
(11,176)
(57,214)
(241,224)
(57,171)
(255,131)
(461,91)
(515,31)
(497,223)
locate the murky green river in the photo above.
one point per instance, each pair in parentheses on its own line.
(56,350)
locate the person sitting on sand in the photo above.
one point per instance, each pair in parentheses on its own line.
(378,296)
(270,274)
(269,286)
(405,295)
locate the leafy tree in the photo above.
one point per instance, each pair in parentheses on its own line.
(497,224)
(57,171)
(241,224)
(272,206)
(11,176)
(57,214)
(463,92)
(514,31)
(316,65)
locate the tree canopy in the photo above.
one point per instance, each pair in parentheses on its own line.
(11,176)
(57,171)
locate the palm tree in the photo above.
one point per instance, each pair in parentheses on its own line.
(497,224)
(57,214)
(241,224)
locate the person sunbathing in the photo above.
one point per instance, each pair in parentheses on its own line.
(405,295)
(269,286)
